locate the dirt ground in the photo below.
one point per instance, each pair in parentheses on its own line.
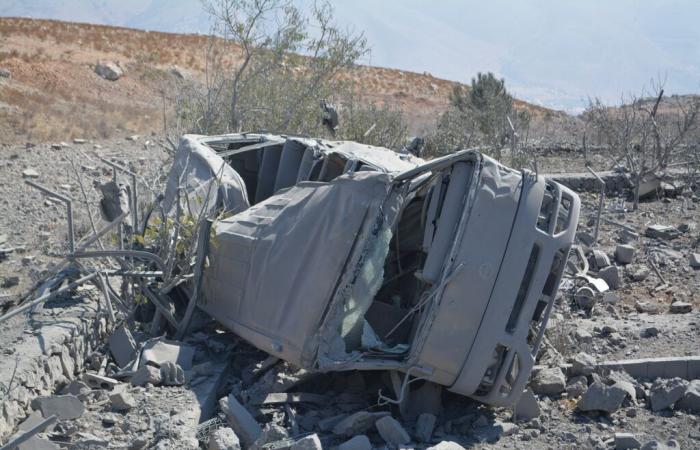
(33,239)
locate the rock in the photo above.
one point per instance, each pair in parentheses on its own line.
(678,307)
(424,427)
(271,433)
(664,393)
(30,173)
(527,407)
(122,401)
(611,298)
(695,260)
(582,364)
(242,422)
(576,386)
(665,232)
(146,374)
(646,307)
(583,336)
(357,423)
(122,345)
(9,282)
(224,439)
(311,442)
(360,442)
(548,381)
(77,388)
(624,253)
(585,297)
(109,71)
(648,332)
(624,441)
(600,397)
(611,275)
(691,398)
(639,273)
(446,445)
(4,73)
(133,138)
(79,141)
(172,374)
(392,432)
(327,423)
(656,445)
(65,407)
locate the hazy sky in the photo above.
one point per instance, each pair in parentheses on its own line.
(551,52)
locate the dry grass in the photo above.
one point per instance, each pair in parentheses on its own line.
(54,94)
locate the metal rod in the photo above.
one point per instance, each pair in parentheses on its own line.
(69,209)
(108,301)
(135,254)
(48,296)
(600,203)
(202,246)
(24,437)
(161,307)
(106,229)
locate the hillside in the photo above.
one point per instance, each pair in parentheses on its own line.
(54,94)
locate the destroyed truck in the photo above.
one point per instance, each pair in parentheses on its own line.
(340,256)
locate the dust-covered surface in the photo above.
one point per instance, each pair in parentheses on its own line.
(646,316)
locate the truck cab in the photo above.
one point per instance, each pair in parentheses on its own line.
(335,255)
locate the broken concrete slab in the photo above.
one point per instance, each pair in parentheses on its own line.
(664,393)
(159,351)
(548,381)
(242,422)
(360,442)
(600,397)
(357,423)
(65,407)
(122,345)
(99,382)
(30,173)
(665,232)
(392,432)
(425,424)
(224,439)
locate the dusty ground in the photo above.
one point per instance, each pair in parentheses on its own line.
(34,229)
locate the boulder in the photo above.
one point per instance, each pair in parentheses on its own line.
(548,381)
(664,393)
(109,71)
(600,397)
(691,398)
(582,364)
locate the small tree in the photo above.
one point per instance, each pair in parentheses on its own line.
(639,136)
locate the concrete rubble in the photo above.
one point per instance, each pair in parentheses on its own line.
(602,377)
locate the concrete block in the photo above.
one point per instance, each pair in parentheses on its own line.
(242,422)
(224,439)
(360,442)
(611,275)
(145,375)
(311,442)
(357,423)
(691,398)
(600,397)
(527,407)
(665,393)
(161,351)
(624,253)
(424,427)
(392,432)
(99,382)
(626,441)
(122,401)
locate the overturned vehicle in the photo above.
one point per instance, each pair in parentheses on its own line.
(341,256)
